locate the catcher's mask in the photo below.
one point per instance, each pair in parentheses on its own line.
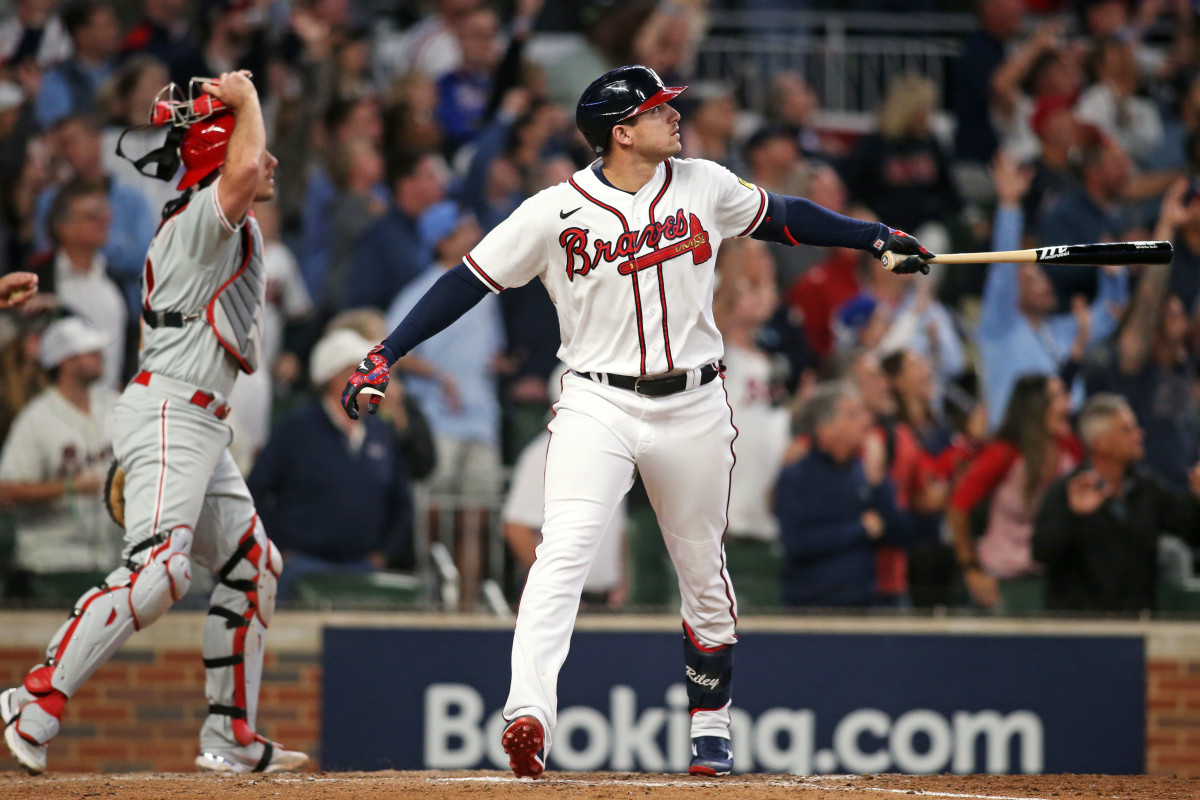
(200,127)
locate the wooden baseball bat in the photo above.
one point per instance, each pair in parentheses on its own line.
(1079,255)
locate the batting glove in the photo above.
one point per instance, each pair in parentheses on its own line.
(370,379)
(906,245)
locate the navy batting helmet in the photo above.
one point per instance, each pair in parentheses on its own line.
(616,96)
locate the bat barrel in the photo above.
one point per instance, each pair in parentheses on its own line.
(1106,253)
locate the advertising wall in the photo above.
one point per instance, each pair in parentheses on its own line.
(803,703)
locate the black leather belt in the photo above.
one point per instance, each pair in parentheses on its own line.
(651,386)
(167,319)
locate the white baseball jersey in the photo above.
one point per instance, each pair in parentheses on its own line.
(630,274)
(52,440)
(761,441)
(94,296)
(195,254)
(526,505)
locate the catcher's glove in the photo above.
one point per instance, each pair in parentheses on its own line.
(114,493)
(370,379)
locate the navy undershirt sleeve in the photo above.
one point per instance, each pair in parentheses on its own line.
(451,296)
(794,220)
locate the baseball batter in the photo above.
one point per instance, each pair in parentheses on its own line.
(203,297)
(626,250)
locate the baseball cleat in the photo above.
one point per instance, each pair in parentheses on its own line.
(31,755)
(523,740)
(262,756)
(711,756)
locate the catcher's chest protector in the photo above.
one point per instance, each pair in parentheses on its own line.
(235,313)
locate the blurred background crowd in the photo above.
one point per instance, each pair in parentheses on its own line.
(998,439)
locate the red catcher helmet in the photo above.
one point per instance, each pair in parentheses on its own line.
(202,149)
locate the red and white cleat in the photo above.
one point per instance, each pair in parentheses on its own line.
(260,756)
(30,754)
(524,742)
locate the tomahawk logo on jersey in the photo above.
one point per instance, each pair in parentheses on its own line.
(631,274)
(575,242)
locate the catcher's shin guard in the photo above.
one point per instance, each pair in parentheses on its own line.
(708,675)
(242,604)
(129,599)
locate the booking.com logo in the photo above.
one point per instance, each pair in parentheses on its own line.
(458,735)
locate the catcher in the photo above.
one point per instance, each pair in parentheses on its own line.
(184,499)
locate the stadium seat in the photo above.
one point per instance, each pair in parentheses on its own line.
(60,587)
(8,543)
(1178,589)
(373,590)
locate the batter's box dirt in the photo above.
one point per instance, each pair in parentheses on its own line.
(589,786)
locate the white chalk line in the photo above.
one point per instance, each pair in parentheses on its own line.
(917,792)
(807,783)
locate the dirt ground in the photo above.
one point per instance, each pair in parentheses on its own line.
(593,786)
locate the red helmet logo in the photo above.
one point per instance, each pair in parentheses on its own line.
(203,148)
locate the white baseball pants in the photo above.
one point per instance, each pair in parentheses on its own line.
(682,445)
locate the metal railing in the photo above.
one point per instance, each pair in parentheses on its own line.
(850,73)
(796,21)
(459,542)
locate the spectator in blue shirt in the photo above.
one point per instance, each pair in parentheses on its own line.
(391,252)
(79,139)
(463,94)
(1019,332)
(452,374)
(344,122)
(357,171)
(317,464)
(491,187)
(1149,363)
(975,137)
(835,506)
(163,33)
(70,87)
(1094,212)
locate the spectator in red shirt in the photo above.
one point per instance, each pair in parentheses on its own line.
(1034,446)
(919,471)
(945,451)
(826,287)
(929,454)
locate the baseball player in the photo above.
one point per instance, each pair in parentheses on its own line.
(626,250)
(202,299)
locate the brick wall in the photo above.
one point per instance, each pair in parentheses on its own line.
(1173,716)
(143,709)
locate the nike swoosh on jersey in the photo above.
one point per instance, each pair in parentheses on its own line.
(565,214)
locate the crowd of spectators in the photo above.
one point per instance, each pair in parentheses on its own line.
(1004,437)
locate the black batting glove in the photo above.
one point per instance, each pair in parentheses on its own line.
(905,245)
(370,380)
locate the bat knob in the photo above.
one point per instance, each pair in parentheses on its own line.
(888,260)
(372,396)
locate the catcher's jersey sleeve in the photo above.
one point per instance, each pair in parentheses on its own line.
(740,206)
(203,230)
(515,251)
